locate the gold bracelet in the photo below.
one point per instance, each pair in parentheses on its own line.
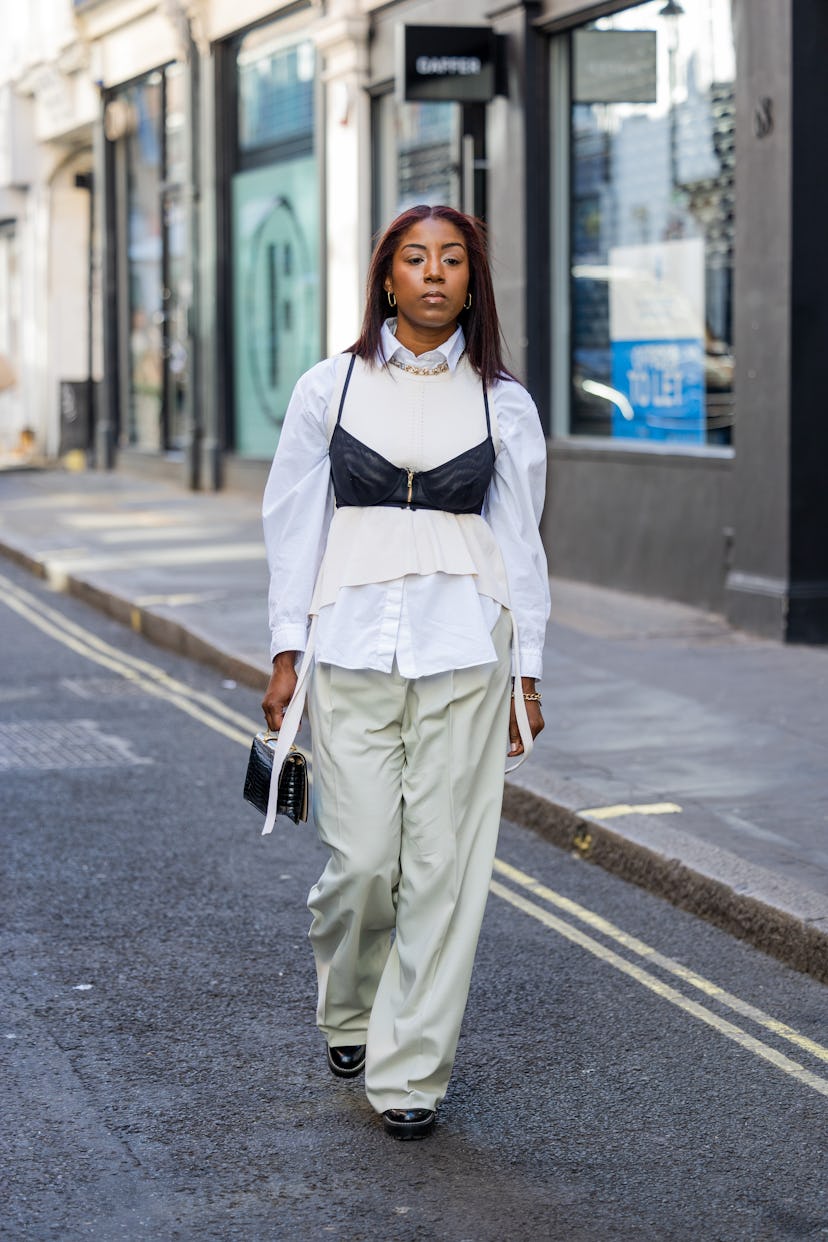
(530,698)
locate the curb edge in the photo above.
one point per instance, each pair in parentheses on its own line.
(776,932)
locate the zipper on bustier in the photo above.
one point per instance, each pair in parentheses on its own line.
(410,484)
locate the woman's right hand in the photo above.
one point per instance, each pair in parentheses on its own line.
(279,689)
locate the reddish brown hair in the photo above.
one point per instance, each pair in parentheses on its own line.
(481,327)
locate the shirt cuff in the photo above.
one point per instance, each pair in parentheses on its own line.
(531,662)
(288,638)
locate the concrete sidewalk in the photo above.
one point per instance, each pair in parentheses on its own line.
(689,758)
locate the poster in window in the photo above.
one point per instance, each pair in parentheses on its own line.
(656,309)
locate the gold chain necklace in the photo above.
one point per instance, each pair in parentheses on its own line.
(440,369)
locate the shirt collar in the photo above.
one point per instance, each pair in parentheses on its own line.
(450,351)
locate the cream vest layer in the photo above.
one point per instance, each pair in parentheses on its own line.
(416,422)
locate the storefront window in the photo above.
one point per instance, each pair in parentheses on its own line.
(9,295)
(149,119)
(275,231)
(10,408)
(144,256)
(418,154)
(275,90)
(175,123)
(651,224)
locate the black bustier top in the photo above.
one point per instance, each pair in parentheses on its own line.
(362,477)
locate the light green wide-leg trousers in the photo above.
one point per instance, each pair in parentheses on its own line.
(408,787)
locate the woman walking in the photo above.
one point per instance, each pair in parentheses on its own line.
(401,523)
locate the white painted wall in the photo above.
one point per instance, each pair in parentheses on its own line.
(224,17)
(57,61)
(48,105)
(343,48)
(129,51)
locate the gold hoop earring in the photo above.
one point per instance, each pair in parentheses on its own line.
(467,303)
(392,298)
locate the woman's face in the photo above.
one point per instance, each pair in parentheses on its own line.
(429,277)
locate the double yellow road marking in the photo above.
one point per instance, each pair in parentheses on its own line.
(648,980)
(210,711)
(204,708)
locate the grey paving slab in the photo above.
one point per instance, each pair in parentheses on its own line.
(647,702)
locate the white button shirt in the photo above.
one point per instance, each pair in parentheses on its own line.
(426,623)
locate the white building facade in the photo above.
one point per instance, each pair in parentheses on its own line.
(189,190)
(49,308)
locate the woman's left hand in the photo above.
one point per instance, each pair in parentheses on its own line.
(534,713)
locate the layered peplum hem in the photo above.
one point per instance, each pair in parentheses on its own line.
(379,544)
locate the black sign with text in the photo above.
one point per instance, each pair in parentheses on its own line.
(447,63)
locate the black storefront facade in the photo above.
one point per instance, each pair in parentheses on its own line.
(650,179)
(722,506)
(653,200)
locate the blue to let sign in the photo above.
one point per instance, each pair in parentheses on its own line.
(664,381)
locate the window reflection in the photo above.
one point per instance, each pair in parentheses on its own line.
(145,264)
(418,155)
(652,224)
(275,223)
(155,257)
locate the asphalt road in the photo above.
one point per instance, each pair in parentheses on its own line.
(625,1071)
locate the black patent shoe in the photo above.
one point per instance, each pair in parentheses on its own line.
(347,1061)
(409,1123)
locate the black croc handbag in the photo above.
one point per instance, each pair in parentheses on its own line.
(293,782)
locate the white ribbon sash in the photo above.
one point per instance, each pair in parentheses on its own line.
(290,727)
